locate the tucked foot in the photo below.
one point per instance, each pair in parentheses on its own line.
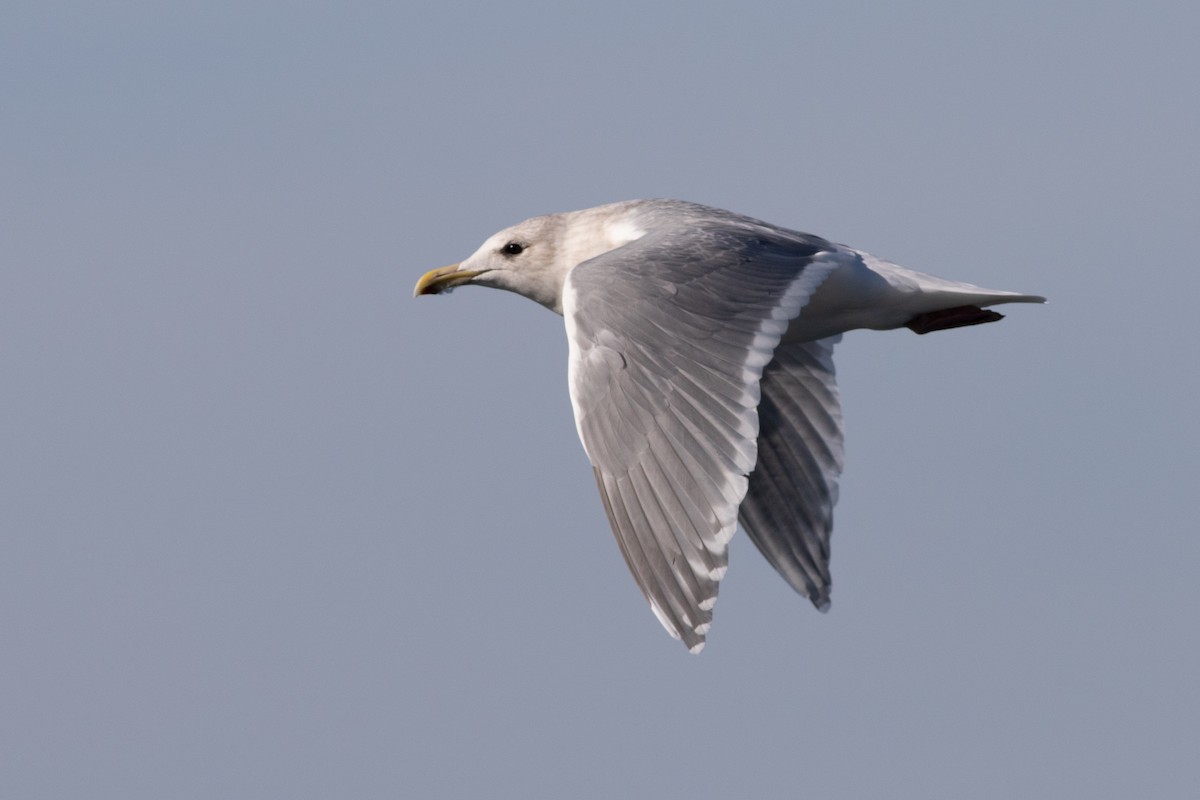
(957,317)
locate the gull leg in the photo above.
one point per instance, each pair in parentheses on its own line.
(956,317)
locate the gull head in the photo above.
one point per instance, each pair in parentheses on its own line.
(532,258)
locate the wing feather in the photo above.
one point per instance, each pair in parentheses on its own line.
(788,508)
(669,337)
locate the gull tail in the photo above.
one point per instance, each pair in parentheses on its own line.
(937,304)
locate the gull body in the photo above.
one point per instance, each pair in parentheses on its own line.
(702,380)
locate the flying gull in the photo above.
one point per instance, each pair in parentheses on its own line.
(701,375)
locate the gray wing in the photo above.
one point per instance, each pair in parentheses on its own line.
(788,510)
(668,339)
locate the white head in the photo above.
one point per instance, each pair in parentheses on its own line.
(532,258)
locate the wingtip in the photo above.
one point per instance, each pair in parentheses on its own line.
(820,597)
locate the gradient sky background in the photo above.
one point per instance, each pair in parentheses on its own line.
(273,528)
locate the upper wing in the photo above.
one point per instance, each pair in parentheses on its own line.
(788,510)
(669,336)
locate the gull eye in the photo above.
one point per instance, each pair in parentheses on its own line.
(513,249)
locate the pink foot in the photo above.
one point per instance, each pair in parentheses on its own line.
(956,317)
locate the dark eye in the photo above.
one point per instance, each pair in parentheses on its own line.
(513,249)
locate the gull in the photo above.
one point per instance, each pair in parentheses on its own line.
(701,375)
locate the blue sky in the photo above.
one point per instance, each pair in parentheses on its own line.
(274,528)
